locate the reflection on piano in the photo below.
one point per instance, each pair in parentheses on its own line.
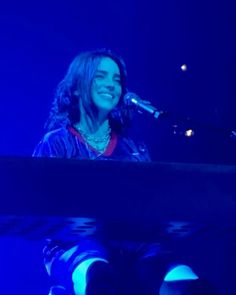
(43,197)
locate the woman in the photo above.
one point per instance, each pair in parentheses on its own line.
(89,118)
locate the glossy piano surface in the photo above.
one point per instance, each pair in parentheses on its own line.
(43,197)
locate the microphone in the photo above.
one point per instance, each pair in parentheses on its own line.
(131,98)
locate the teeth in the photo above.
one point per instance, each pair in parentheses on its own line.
(107,95)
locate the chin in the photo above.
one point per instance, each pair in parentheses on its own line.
(106,108)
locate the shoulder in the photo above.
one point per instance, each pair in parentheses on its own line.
(56,134)
(53,143)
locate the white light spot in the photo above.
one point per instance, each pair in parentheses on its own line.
(184,67)
(189,133)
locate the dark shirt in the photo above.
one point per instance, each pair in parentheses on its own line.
(68,143)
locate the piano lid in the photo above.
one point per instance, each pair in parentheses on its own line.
(43,197)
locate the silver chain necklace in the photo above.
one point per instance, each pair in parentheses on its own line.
(98,142)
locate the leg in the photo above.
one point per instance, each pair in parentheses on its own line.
(177,280)
(181,280)
(156,277)
(81,270)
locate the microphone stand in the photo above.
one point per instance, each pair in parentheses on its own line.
(189,124)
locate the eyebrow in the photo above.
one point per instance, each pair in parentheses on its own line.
(105,72)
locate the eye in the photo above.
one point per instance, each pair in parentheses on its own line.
(99,76)
(118,80)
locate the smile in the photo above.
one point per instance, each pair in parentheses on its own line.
(107,95)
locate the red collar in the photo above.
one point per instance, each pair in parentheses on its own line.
(110,147)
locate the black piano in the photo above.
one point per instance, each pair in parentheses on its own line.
(41,196)
(191,207)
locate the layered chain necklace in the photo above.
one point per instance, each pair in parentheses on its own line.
(98,141)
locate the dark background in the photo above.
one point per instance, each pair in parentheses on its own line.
(40,38)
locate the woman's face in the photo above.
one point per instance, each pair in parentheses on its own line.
(106,86)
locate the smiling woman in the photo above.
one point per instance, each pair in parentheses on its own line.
(89,118)
(106,91)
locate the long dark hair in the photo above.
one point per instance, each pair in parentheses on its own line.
(76,85)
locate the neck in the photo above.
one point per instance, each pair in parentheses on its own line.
(92,124)
(90,127)
(96,136)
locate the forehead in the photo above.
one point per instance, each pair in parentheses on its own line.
(108,65)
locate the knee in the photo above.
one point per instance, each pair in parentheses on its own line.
(182,280)
(180,272)
(69,268)
(81,274)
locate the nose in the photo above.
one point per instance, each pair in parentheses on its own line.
(109,83)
